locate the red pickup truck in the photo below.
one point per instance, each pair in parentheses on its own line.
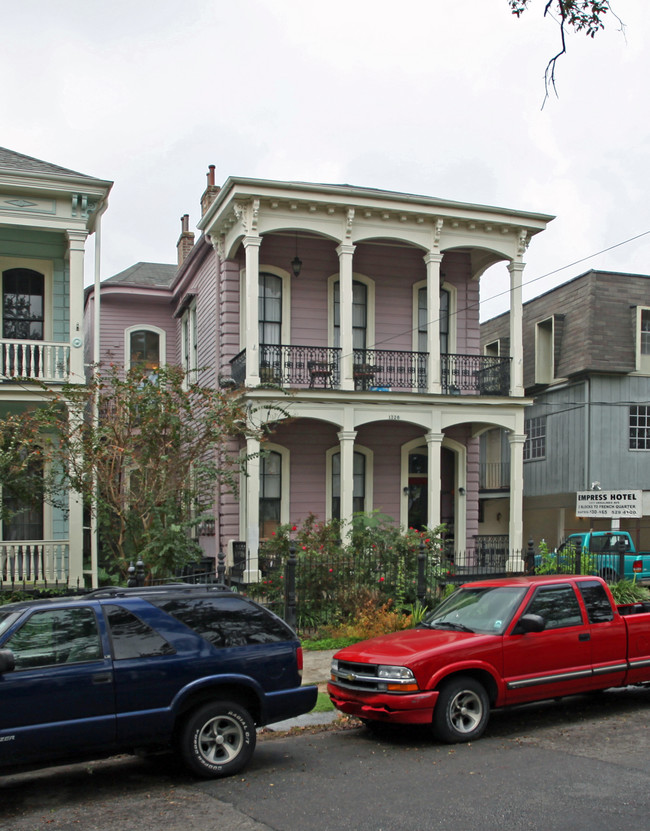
(495,643)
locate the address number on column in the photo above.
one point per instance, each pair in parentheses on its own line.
(393,418)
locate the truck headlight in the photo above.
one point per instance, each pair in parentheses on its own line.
(398,679)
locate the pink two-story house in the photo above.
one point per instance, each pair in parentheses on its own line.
(363,305)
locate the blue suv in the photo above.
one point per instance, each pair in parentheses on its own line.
(190,668)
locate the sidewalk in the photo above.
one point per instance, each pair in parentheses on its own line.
(316,666)
(316,670)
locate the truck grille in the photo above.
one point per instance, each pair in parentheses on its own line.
(358,677)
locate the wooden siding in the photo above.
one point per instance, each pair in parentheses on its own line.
(204,285)
(393,269)
(595,324)
(120,313)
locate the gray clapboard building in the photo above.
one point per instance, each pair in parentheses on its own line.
(587,372)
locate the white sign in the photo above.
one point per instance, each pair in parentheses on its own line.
(609,504)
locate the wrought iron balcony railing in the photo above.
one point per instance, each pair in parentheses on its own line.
(378,370)
(384,369)
(475,374)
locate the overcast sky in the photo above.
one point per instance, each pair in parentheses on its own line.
(435,97)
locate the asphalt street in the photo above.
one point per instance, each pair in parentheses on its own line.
(580,764)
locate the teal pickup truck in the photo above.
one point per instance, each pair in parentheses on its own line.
(607,548)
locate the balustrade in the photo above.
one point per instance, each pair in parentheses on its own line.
(40,561)
(36,360)
(377,370)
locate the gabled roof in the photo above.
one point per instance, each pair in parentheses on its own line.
(145,275)
(19,163)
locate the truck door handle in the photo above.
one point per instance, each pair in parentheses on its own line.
(584,636)
(102,678)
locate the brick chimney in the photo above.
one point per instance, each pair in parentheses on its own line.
(211,191)
(185,241)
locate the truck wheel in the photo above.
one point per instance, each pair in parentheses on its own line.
(609,575)
(462,710)
(218,739)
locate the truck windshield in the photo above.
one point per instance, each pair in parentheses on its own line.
(485,609)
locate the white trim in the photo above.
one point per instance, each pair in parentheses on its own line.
(189,317)
(162,342)
(368,484)
(545,351)
(642,361)
(285,496)
(286,302)
(370,310)
(46,268)
(460,477)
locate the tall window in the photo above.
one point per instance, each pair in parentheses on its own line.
(359,314)
(144,350)
(23,304)
(189,343)
(640,428)
(270,309)
(359,484)
(535,444)
(24,517)
(423,320)
(270,492)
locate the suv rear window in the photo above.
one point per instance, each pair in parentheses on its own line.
(226,621)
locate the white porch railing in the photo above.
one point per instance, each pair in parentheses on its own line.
(35,359)
(38,561)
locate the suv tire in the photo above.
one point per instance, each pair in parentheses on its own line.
(218,739)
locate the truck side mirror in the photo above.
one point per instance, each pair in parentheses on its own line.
(7,661)
(529,623)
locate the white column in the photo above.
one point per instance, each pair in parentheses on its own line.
(433,261)
(346,439)
(515,529)
(252,574)
(76,243)
(516,270)
(251,301)
(434,477)
(345,252)
(75,518)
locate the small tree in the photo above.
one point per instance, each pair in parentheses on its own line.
(147,453)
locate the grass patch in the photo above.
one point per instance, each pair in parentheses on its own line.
(323,703)
(328,643)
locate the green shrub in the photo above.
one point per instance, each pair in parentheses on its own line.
(627,591)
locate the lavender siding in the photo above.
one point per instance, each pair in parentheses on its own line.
(203,284)
(123,310)
(393,271)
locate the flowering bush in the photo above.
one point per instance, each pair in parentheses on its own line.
(378,564)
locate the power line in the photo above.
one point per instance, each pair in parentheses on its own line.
(521,285)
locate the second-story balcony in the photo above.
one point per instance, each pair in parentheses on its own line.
(35,360)
(376,370)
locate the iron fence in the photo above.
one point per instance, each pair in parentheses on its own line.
(310,590)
